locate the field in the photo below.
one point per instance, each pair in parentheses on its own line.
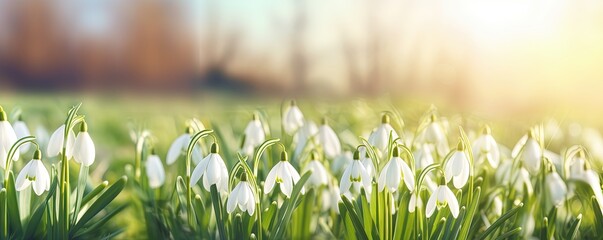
(547,187)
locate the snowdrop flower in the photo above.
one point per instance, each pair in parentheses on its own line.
(213,170)
(485,149)
(328,140)
(434,134)
(21,131)
(180,145)
(341,162)
(254,135)
(303,137)
(83,149)
(380,136)
(367,162)
(440,198)
(55,144)
(355,176)
(284,174)
(578,170)
(293,118)
(423,157)
(556,188)
(155,171)
(458,167)
(7,138)
(520,178)
(395,171)
(331,198)
(415,202)
(531,155)
(319,174)
(242,196)
(35,174)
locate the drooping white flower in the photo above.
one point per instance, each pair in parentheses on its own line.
(319,174)
(394,172)
(579,171)
(415,202)
(341,162)
(423,156)
(155,171)
(179,147)
(331,197)
(55,144)
(304,137)
(242,196)
(213,170)
(7,138)
(284,174)
(21,131)
(293,118)
(519,179)
(485,149)
(434,134)
(531,155)
(355,176)
(458,167)
(555,188)
(34,173)
(441,198)
(367,162)
(380,136)
(84,151)
(328,140)
(254,136)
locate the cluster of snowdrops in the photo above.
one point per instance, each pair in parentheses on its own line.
(394,184)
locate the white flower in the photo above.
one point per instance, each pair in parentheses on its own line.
(340,162)
(434,134)
(83,150)
(395,171)
(21,131)
(580,172)
(380,136)
(34,173)
(213,170)
(284,174)
(458,168)
(556,188)
(485,149)
(7,138)
(179,147)
(319,174)
(155,171)
(368,165)
(531,155)
(254,136)
(331,197)
(55,144)
(293,118)
(304,137)
(423,157)
(442,197)
(241,196)
(415,202)
(519,180)
(356,176)
(328,140)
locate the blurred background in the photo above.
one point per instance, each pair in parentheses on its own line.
(486,54)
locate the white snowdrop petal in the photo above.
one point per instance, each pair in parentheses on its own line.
(431,204)
(270,181)
(177,147)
